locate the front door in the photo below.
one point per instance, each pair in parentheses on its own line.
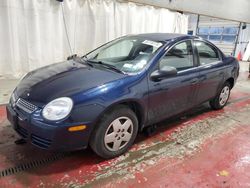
(173,95)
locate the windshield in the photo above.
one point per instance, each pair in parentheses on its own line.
(127,54)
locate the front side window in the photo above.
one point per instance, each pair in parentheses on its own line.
(207,54)
(180,57)
(128,54)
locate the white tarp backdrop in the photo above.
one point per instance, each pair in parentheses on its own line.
(32,32)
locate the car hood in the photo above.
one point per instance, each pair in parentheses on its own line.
(62,79)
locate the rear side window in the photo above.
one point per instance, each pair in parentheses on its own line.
(206,52)
(180,56)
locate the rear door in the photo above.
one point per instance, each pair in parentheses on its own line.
(173,95)
(211,74)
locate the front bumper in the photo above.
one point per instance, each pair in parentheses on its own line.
(45,136)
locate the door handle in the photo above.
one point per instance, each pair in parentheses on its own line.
(194,81)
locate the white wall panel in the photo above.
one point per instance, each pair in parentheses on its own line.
(32,32)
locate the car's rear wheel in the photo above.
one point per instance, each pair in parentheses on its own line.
(221,98)
(115,132)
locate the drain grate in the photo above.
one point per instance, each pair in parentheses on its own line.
(31,165)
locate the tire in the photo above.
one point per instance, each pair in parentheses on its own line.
(221,99)
(115,133)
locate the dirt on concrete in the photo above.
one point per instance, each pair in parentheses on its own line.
(182,142)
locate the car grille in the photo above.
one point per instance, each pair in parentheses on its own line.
(25,106)
(40,142)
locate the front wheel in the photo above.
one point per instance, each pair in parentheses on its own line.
(221,98)
(115,133)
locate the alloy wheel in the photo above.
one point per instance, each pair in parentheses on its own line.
(118,134)
(224,95)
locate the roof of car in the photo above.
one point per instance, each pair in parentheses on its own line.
(163,36)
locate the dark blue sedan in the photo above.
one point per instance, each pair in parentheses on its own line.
(106,97)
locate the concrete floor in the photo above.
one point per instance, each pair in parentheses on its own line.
(202,148)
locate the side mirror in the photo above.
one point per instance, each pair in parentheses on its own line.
(164,72)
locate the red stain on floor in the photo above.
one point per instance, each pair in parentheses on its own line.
(223,162)
(2,114)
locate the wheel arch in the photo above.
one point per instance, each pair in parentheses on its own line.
(231,82)
(134,105)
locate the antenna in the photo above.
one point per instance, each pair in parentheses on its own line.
(65,26)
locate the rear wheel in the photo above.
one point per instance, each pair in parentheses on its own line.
(115,133)
(222,97)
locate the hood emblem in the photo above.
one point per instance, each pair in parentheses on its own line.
(28,94)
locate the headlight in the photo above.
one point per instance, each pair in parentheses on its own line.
(13,98)
(57,109)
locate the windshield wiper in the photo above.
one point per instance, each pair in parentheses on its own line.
(78,59)
(112,67)
(86,62)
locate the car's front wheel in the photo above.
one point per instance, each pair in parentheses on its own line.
(222,97)
(115,132)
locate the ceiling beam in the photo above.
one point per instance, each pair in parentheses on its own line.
(235,10)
